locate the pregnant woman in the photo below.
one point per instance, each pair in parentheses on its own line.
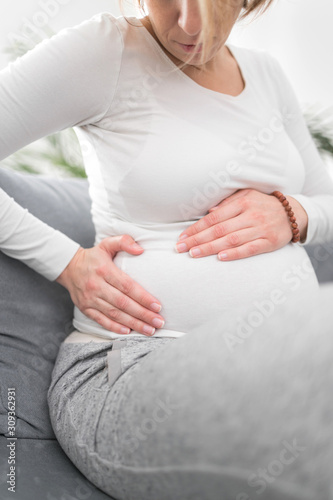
(176,382)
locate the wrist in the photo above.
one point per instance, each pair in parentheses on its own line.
(64,278)
(301,217)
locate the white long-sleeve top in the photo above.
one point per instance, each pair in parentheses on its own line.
(159,151)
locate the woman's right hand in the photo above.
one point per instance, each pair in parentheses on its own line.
(105,293)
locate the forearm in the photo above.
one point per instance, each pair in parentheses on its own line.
(316,195)
(28,239)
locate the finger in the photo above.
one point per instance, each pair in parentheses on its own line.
(234,239)
(249,249)
(125,284)
(110,317)
(237,194)
(241,193)
(111,325)
(213,233)
(121,280)
(209,220)
(124,242)
(106,322)
(128,244)
(124,310)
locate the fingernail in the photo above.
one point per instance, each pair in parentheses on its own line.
(126,331)
(155,307)
(149,330)
(135,246)
(223,256)
(158,323)
(183,236)
(194,252)
(181,247)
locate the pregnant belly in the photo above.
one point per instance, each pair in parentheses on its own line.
(197,294)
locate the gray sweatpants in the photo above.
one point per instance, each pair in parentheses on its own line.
(235,414)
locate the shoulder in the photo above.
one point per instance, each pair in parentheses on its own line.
(269,78)
(91,46)
(257,60)
(102,36)
(265,70)
(97,32)
(105,27)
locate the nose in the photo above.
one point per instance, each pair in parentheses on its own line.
(190,17)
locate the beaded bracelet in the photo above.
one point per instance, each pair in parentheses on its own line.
(294,226)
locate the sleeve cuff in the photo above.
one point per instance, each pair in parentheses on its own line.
(26,238)
(60,250)
(313,216)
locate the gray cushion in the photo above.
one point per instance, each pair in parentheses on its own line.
(44,472)
(321,257)
(36,314)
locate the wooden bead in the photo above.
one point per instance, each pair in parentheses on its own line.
(294,226)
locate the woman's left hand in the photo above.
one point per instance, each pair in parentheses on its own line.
(246,223)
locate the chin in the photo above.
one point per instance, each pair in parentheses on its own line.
(191,60)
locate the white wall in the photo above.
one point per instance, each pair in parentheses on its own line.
(298,32)
(20,16)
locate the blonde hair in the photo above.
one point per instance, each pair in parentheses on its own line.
(249,6)
(213,12)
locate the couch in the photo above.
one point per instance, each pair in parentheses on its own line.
(35,317)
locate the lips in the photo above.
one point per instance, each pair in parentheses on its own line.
(190,47)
